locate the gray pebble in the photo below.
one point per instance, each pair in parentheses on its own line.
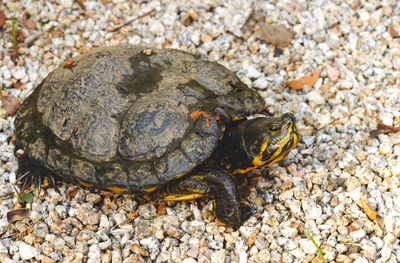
(152,245)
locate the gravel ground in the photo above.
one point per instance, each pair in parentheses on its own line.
(329,186)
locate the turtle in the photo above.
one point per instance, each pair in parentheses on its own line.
(139,120)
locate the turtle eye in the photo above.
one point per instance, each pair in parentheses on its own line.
(274,128)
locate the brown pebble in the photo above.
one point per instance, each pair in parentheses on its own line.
(137,249)
(30,24)
(193,15)
(394,30)
(147,52)
(90,13)
(253,48)
(47,260)
(275,34)
(333,74)
(186,19)
(161,209)
(205,38)
(166,44)
(286,185)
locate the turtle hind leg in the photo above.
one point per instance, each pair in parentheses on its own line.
(31,172)
(212,182)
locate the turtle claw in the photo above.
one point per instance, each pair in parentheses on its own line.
(52,181)
(38,182)
(25,181)
(245,213)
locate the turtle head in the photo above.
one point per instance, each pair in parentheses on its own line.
(268,140)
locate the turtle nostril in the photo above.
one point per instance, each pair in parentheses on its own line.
(288,117)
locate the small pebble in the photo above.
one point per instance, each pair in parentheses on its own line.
(333,74)
(311,209)
(26,251)
(93,198)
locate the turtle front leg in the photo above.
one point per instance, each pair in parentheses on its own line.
(31,172)
(215,183)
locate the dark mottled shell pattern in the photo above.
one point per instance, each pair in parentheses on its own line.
(121,116)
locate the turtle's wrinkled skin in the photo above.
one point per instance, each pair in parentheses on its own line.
(132,119)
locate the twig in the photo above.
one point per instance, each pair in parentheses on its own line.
(6,195)
(384,129)
(10,235)
(22,177)
(32,38)
(79,2)
(130,21)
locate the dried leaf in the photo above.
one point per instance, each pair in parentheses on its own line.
(308,80)
(18,214)
(2,19)
(371,213)
(30,24)
(10,104)
(275,34)
(368,210)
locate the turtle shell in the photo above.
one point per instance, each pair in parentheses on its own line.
(130,117)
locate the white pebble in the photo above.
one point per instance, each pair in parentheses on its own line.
(26,251)
(310,208)
(361,260)
(288,232)
(261,83)
(307,245)
(152,245)
(386,118)
(94,254)
(6,73)
(345,84)
(357,235)
(19,73)
(386,252)
(236,15)
(396,170)
(157,28)
(252,72)
(189,260)
(316,98)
